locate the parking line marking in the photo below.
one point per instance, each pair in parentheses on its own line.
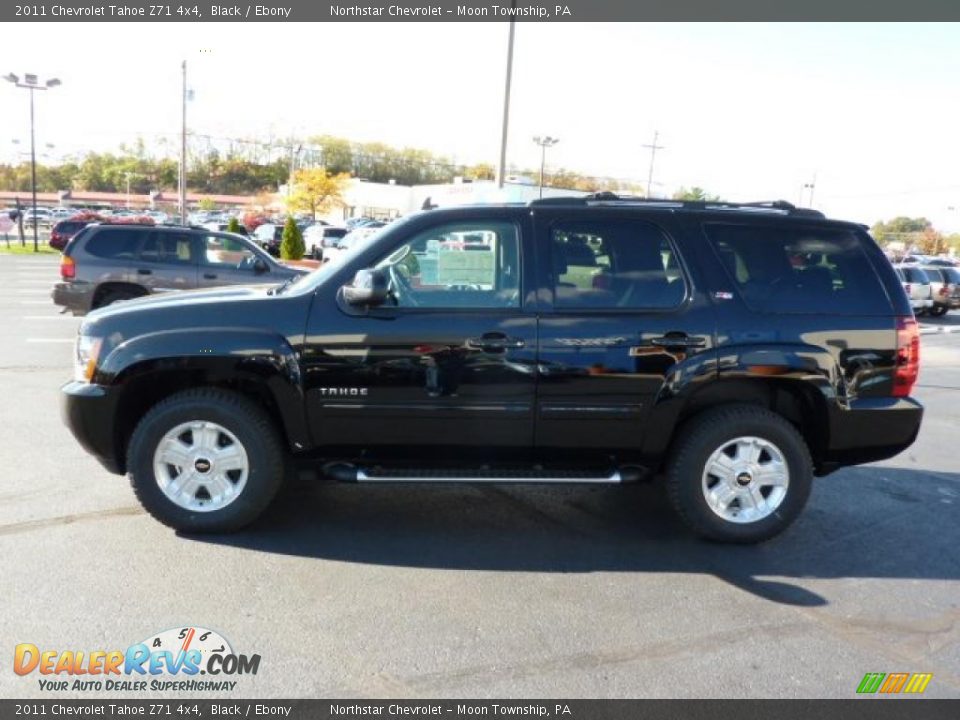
(35,302)
(50,340)
(50,317)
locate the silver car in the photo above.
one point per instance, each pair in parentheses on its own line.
(104,263)
(917,285)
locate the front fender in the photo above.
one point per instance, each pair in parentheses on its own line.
(217,356)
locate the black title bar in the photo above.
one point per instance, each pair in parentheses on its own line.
(863,709)
(504,10)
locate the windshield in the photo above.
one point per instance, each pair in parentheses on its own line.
(349,247)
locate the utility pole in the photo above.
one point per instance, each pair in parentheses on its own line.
(182,193)
(653,153)
(294,152)
(502,166)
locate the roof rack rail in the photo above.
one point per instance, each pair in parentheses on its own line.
(608,198)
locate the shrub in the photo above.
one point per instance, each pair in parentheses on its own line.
(234,226)
(292,247)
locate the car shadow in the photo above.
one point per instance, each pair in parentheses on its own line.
(866,522)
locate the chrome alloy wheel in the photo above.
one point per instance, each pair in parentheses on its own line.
(201,466)
(745,479)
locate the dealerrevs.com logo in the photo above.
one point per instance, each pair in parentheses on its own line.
(170,661)
(894,683)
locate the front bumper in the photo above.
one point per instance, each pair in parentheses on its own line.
(89,412)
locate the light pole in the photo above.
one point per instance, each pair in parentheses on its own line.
(31,82)
(544,142)
(811,186)
(502,165)
(182,189)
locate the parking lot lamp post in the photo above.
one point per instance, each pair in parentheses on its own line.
(544,143)
(31,83)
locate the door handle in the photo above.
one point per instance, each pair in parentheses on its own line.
(209,276)
(679,340)
(144,271)
(494,342)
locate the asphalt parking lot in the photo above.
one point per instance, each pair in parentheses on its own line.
(353,591)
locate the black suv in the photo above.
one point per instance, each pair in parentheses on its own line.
(104,263)
(735,350)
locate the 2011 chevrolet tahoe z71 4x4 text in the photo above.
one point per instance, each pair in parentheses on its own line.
(736,350)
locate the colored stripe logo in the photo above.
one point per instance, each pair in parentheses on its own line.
(892,683)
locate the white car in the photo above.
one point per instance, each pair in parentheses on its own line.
(349,243)
(317,238)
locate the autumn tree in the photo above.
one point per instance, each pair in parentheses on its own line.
(316,191)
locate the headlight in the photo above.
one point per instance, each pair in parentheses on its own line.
(85,357)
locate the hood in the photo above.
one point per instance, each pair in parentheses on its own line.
(178,301)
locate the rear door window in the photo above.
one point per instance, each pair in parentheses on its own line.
(782,269)
(169,248)
(611,264)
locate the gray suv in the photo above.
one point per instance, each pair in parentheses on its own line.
(106,263)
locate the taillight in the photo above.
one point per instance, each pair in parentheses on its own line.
(909,288)
(944,291)
(908,356)
(68,268)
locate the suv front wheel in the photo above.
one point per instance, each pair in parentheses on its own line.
(205,461)
(739,474)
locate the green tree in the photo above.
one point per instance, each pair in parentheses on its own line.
(234,226)
(292,247)
(695,194)
(901,229)
(206,204)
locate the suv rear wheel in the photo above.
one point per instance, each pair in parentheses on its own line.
(205,461)
(739,474)
(115,295)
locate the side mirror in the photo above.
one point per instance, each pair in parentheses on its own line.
(369,287)
(260,266)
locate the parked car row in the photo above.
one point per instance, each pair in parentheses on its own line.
(933,289)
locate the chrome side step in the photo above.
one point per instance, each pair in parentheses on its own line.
(448,477)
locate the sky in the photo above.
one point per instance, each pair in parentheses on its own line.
(868,113)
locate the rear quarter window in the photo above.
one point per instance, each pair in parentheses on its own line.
(783,269)
(916,275)
(113,243)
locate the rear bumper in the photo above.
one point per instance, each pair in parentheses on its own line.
(872,429)
(89,412)
(76,297)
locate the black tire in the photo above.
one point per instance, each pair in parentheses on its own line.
(938,310)
(251,426)
(112,296)
(316,253)
(706,433)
